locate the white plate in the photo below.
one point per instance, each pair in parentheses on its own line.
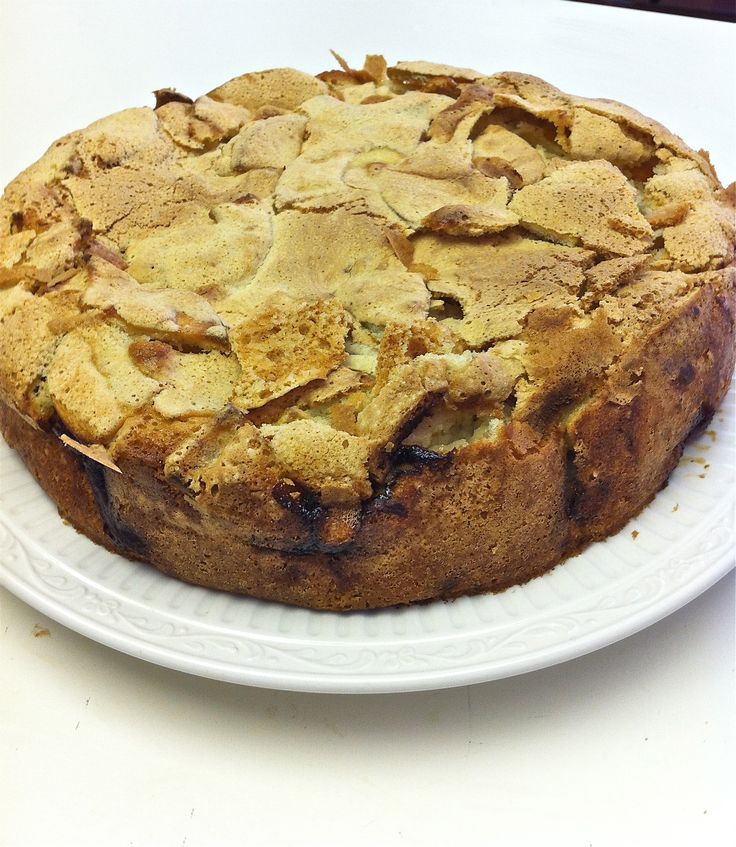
(685,543)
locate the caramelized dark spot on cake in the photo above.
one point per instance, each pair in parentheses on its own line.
(16,222)
(573,487)
(384,501)
(298,500)
(419,457)
(170,95)
(122,536)
(685,376)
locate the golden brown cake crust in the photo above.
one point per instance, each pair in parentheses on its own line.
(377,337)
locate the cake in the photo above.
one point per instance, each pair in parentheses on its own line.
(375,337)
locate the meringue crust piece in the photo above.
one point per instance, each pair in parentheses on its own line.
(375,337)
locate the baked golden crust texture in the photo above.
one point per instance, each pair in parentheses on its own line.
(374,337)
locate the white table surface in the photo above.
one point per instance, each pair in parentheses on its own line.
(632,745)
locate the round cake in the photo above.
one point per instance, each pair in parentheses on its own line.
(373,337)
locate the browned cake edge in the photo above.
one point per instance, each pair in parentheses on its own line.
(490,516)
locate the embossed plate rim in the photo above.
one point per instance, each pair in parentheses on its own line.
(353,657)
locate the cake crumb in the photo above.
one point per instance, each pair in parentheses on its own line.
(634,534)
(712,434)
(40,631)
(675,507)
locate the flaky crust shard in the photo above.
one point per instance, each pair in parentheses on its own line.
(370,338)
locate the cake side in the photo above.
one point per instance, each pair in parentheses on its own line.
(438,532)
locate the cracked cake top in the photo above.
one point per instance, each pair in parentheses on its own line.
(293,277)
